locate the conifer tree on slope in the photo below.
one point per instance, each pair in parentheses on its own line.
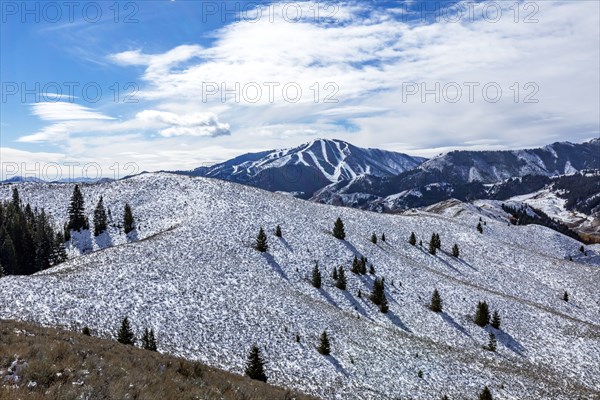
(334,274)
(496,320)
(261,241)
(255,366)
(338,229)
(341,280)
(128,221)
(362,266)
(100,219)
(378,295)
(77,218)
(355,266)
(374,238)
(148,340)
(492,344)
(482,315)
(485,394)
(432,245)
(412,239)
(436,302)
(455,251)
(324,346)
(383,237)
(278,231)
(479,228)
(316,276)
(125,334)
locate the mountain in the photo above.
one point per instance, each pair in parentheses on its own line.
(464,175)
(305,169)
(191,273)
(81,179)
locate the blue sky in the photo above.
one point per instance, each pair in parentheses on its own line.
(386,76)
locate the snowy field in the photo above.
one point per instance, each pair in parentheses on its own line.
(191,273)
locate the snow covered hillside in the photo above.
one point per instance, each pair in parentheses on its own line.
(190,272)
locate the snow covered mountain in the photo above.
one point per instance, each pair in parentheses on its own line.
(304,169)
(461,174)
(191,273)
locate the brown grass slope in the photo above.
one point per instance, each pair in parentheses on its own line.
(67,365)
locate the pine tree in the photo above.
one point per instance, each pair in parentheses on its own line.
(316,276)
(371,269)
(485,394)
(338,229)
(479,227)
(324,347)
(496,320)
(278,231)
(455,252)
(341,281)
(432,245)
(413,239)
(492,344)
(261,241)
(437,241)
(255,366)
(355,266)
(383,237)
(378,295)
(334,274)
(86,331)
(125,334)
(482,315)
(581,248)
(100,218)
(16,201)
(362,265)
(77,219)
(374,238)
(128,221)
(566,296)
(436,302)
(148,340)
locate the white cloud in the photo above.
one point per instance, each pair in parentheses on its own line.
(61,111)
(197,124)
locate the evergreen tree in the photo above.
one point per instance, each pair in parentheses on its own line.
(261,241)
(334,274)
(479,228)
(374,238)
(455,252)
(371,269)
(324,347)
(255,366)
(485,394)
(341,280)
(436,301)
(316,276)
(412,239)
(378,295)
(100,219)
(438,241)
(566,296)
(128,221)
(496,320)
(125,334)
(482,315)
(77,218)
(362,265)
(8,256)
(148,340)
(581,248)
(338,229)
(355,266)
(432,245)
(278,231)
(492,344)
(383,237)
(16,201)
(86,331)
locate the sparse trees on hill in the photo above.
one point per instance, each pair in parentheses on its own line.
(455,251)
(485,394)
(324,346)
(482,315)
(149,340)
(100,218)
(255,366)
(378,295)
(278,231)
(341,280)
(436,302)
(496,320)
(77,218)
(338,229)
(128,221)
(374,238)
(316,276)
(412,239)
(261,241)
(125,334)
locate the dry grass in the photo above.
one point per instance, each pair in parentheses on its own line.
(67,365)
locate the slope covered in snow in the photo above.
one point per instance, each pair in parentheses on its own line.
(193,275)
